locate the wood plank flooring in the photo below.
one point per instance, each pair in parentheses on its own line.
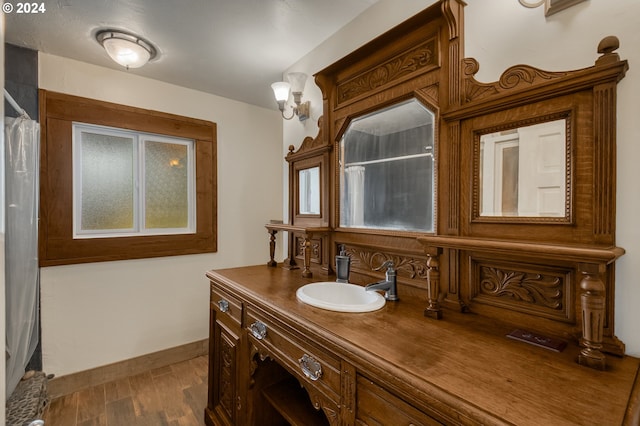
(175,395)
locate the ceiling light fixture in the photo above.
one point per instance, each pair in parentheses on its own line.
(128,50)
(295,85)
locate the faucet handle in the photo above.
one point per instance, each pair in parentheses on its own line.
(388,264)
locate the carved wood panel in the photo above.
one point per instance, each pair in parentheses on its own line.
(535,289)
(405,265)
(225,385)
(419,59)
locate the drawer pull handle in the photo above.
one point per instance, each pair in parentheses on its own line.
(310,367)
(258,330)
(223,305)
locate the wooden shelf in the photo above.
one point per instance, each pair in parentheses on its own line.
(292,402)
(296,228)
(578,253)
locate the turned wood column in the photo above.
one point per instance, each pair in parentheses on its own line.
(593,315)
(306,251)
(272,248)
(433,283)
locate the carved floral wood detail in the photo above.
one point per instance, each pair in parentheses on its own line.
(537,289)
(421,57)
(516,77)
(411,267)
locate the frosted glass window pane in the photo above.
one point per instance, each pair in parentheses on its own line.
(166,185)
(107,164)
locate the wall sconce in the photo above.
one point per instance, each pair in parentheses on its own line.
(126,49)
(550,6)
(295,85)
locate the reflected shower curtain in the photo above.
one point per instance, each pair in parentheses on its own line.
(21,254)
(355,195)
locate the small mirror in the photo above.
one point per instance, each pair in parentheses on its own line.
(387,170)
(309,191)
(523,171)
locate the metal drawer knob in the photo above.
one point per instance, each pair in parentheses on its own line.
(258,330)
(223,305)
(310,367)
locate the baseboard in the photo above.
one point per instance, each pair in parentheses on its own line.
(65,385)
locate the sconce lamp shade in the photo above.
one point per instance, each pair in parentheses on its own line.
(128,50)
(281,90)
(297,80)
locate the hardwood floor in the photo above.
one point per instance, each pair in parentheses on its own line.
(174,395)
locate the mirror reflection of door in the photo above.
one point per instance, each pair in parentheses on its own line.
(523,171)
(309,190)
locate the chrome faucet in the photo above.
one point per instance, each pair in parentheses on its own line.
(388,285)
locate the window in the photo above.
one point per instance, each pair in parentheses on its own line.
(128,183)
(118,182)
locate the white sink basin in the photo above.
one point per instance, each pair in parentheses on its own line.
(340,297)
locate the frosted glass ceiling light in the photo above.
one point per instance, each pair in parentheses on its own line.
(281,91)
(126,49)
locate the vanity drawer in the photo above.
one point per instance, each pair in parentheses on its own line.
(376,406)
(225,303)
(296,352)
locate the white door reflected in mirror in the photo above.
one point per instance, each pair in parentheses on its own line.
(309,190)
(523,171)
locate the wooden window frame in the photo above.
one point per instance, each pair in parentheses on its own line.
(56,243)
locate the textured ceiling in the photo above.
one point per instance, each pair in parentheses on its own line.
(231,48)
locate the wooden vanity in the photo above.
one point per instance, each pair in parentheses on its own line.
(495,203)
(392,366)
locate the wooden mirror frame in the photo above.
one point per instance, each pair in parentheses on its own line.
(308,234)
(314,152)
(423,57)
(501,268)
(420,58)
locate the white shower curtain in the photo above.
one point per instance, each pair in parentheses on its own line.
(21,242)
(355,194)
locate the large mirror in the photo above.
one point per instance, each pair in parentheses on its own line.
(386,164)
(523,171)
(309,191)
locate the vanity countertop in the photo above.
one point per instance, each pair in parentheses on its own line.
(463,360)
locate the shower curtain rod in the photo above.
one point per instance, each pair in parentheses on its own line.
(15,105)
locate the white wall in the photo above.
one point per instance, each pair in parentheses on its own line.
(500,34)
(96,314)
